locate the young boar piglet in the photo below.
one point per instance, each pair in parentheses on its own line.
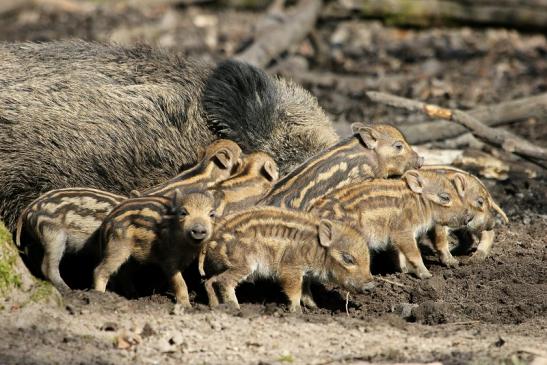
(160,230)
(374,151)
(221,160)
(246,188)
(484,209)
(398,211)
(63,221)
(268,242)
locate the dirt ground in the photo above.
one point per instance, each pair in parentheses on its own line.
(493,312)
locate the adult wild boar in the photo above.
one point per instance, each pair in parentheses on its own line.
(74,113)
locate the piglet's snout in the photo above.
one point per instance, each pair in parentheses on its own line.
(368,286)
(468,217)
(419,162)
(198,232)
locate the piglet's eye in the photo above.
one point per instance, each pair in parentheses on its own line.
(445,197)
(480,202)
(348,259)
(183,212)
(398,146)
(212,214)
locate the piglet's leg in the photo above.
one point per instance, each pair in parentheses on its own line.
(117,252)
(406,243)
(171,267)
(441,246)
(227,282)
(54,241)
(403,264)
(307,296)
(181,291)
(484,247)
(291,282)
(211,294)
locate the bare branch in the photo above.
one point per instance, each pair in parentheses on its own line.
(268,45)
(497,137)
(502,113)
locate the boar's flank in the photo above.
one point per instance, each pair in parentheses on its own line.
(74,113)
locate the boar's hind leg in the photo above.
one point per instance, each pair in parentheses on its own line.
(117,252)
(54,242)
(441,246)
(291,282)
(227,282)
(407,245)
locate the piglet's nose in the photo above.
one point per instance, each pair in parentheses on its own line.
(419,162)
(468,218)
(198,232)
(368,286)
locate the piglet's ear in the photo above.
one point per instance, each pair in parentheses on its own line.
(271,171)
(414,181)
(326,232)
(366,134)
(176,202)
(460,183)
(134,194)
(224,158)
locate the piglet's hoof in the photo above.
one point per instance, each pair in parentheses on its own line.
(450,261)
(478,257)
(295,308)
(424,275)
(308,302)
(184,303)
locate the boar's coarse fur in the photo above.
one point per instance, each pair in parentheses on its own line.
(74,113)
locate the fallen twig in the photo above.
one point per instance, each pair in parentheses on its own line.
(536,352)
(268,45)
(417,133)
(497,137)
(496,114)
(460,323)
(67,6)
(347,303)
(509,13)
(391,282)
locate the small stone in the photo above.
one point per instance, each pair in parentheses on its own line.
(70,310)
(147,331)
(122,344)
(176,339)
(214,325)
(500,342)
(165,347)
(177,310)
(126,340)
(404,310)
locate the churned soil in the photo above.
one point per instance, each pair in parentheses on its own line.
(489,312)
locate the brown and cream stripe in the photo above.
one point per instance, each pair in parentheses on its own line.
(344,163)
(91,205)
(203,175)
